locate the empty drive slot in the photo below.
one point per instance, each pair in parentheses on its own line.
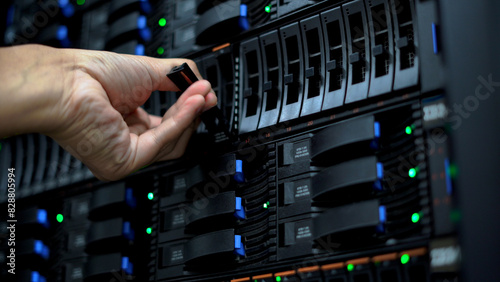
(335,46)
(292,50)
(272,95)
(408,53)
(212,76)
(252,101)
(314,61)
(272,76)
(271,55)
(252,69)
(405,21)
(359,68)
(356,26)
(379,19)
(358,46)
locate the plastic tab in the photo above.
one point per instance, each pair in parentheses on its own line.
(36,277)
(129,198)
(380,176)
(127,266)
(243,20)
(382,215)
(240,211)
(239,249)
(128,232)
(140,50)
(40,249)
(239,176)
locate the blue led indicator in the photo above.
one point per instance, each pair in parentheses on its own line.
(145,34)
(139,50)
(141,22)
(239,176)
(41,217)
(127,265)
(45,252)
(382,216)
(239,249)
(378,185)
(243,20)
(435,38)
(62,32)
(144,31)
(449,187)
(376,132)
(62,36)
(38,249)
(68,11)
(129,198)
(36,277)
(128,232)
(376,127)
(10,15)
(243,10)
(145,6)
(380,171)
(239,210)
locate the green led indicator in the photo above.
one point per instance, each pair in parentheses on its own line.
(266,205)
(151,196)
(412,172)
(160,50)
(452,170)
(405,259)
(455,216)
(59,218)
(409,130)
(80,2)
(162,22)
(350,267)
(415,217)
(268,9)
(149,230)
(278,278)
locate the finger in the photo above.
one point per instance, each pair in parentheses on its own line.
(158,69)
(154,140)
(198,88)
(178,149)
(138,121)
(154,121)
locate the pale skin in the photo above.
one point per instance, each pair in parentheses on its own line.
(89,102)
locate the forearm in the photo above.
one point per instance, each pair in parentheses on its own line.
(32,82)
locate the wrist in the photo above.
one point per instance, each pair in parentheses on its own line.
(33,85)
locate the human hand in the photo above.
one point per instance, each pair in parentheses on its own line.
(92,108)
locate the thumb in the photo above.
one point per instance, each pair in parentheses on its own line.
(160,141)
